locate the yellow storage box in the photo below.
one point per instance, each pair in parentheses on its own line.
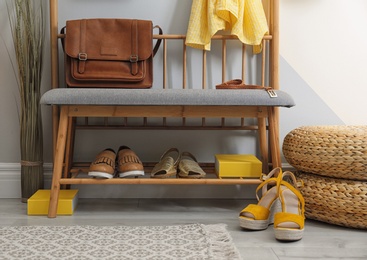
(39,202)
(237,165)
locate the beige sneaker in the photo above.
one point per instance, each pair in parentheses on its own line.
(103,165)
(129,164)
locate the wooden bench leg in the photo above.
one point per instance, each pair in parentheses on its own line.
(58,162)
(263,140)
(274,137)
(69,152)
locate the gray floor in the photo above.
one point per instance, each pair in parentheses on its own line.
(320,241)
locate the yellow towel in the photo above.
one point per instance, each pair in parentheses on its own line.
(244,18)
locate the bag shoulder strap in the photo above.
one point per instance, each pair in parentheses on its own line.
(134,56)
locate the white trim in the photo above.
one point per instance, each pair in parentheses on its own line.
(10,179)
(10,187)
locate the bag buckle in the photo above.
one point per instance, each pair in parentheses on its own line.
(134,58)
(82,56)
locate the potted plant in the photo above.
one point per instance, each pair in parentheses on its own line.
(27,24)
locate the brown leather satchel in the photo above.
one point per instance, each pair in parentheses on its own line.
(109,53)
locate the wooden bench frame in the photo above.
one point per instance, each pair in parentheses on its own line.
(64,114)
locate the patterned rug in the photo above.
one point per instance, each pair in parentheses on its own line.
(192,241)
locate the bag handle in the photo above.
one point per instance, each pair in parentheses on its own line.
(159,41)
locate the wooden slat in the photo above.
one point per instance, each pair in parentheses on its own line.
(204,70)
(263,63)
(224,59)
(167,111)
(164,64)
(166,126)
(54,65)
(243,76)
(274,45)
(183,37)
(168,181)
(184,64)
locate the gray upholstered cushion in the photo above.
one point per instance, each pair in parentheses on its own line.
(89,96)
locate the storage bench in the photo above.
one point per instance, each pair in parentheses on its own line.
(170,101)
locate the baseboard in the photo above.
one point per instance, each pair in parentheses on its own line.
(10,179)
(10,187)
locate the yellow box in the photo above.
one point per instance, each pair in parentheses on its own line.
(39,202)
(237,165)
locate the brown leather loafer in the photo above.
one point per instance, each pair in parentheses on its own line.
(103,165)
(129,164)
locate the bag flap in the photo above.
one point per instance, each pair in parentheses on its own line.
(109,39)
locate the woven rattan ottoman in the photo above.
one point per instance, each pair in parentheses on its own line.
(332,162)
(335,201)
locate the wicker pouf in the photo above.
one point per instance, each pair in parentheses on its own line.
(334,151)
(335,201)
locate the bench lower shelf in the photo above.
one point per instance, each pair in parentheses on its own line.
(168,181)
(79,176)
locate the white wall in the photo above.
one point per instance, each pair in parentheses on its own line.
(325,43)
